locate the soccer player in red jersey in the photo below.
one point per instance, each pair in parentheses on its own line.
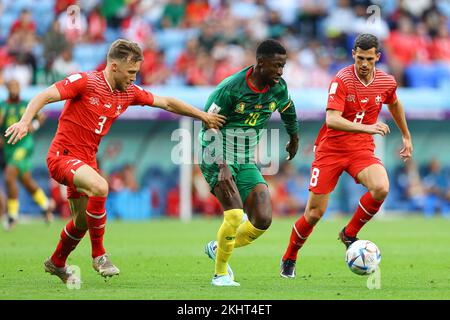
(94,101)
(345,143)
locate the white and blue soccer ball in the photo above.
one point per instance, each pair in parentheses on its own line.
(363,257)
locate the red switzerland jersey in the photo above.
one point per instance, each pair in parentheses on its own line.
(359,103)
(89,112)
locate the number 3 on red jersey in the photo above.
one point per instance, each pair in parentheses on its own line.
(314,177)
(101,123)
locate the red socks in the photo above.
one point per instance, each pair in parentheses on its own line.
(70,237)
(300,232)
(96,220)
(367,208)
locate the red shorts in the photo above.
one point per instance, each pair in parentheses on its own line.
(327,168)
(62,168)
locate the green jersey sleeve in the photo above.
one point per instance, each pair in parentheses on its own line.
(288,113)
(220,101)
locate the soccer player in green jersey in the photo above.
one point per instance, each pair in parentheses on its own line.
(18,158)
(248,98)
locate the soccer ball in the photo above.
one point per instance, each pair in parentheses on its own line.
(363,257)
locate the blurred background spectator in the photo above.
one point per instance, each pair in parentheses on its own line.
(415,36)
(437,190)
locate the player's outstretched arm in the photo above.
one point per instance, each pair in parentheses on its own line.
(211,120)
(336,121)
(398,114)
(20,129)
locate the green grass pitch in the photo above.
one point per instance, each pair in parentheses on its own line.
(164,259)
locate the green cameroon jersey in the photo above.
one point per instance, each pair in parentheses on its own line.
(247,110)
(11,112)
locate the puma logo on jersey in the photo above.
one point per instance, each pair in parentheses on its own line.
(365,100)
(107,105)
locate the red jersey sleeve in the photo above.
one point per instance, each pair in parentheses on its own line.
(336,95)
(72,86)
(142,97)
(392,93)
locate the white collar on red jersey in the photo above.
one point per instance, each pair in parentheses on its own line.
(373,79)
(109,86)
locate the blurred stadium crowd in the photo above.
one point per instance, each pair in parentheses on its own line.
(199,42)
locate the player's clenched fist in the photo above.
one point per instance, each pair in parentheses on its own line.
(292,147)
(16,132)
(214,120)
(378,128)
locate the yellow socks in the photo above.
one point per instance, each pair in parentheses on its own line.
(13,208)
(226,239)
(41,199)
(246,234)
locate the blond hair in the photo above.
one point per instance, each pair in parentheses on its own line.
(124,50)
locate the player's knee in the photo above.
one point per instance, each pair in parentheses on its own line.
(263,221)
(380,192)
(99,188)
(313,215)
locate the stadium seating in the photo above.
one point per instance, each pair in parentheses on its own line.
(89,56)
(427,75)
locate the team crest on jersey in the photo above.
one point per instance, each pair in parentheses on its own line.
(351,98)
(240,108)
(94,101)
(119,108)
(272,106)
(378,99)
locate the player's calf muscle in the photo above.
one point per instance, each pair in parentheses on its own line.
(260,209)
(313,215)
(316,207)
(78,211)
